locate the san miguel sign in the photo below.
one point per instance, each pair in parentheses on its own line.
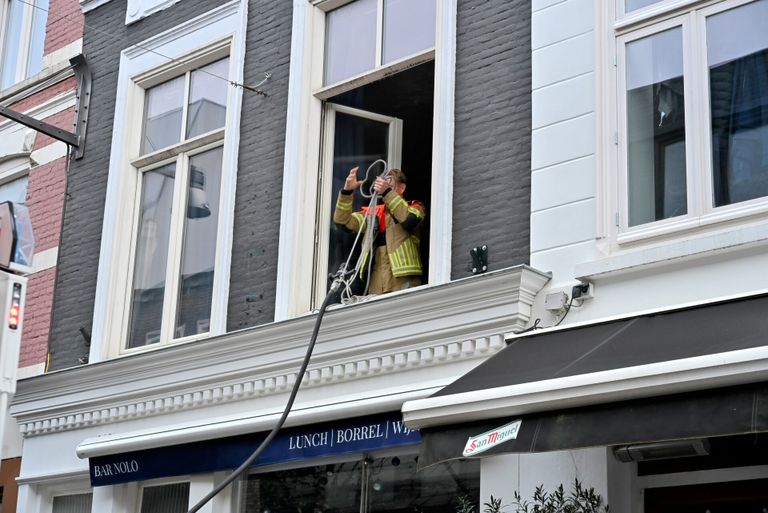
(483,442)
(349,436)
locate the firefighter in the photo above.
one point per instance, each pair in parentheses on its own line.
(396,258)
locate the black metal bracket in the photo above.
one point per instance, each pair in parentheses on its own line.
(83,97)
(479,256)
(83,100)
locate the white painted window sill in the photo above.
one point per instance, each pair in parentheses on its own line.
(672,252)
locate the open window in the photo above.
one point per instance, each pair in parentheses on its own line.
(390,58)
(378,96)
(388,119)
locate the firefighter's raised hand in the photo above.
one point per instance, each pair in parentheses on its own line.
(382,184)
(352,183)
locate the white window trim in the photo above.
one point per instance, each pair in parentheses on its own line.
(69,486)
(302,153)
(144,64)
(702,220)
(25,37)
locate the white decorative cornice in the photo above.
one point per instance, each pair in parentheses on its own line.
(463,320)
(184,29)
(89,5)
(139,9)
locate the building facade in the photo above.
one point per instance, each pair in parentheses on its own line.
(647,166)
(37,41)
(609,156)
(197,241)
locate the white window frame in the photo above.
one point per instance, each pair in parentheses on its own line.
(303,148)
(178,154)
(162,482)
(702,217)
(25,37)
(14,170)
(196,42)
(200,485)
(68,486)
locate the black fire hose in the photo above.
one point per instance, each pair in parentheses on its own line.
(335,287)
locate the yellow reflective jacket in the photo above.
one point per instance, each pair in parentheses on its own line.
(402,244)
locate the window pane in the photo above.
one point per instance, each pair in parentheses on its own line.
(409,27)
(633,5)
(208,98)
(9,63)
(162,115)
(80,503)
(172,498)
(357,142)
(15,191)
(37,37)
(321,488)
(350,40)
(394,486)
(656,128)
(738,82)
(151,256)
(199,250)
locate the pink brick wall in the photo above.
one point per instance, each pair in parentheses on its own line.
(46,187)
(37,318)
(45,196)
(65,24)
(46,94)
(64,120)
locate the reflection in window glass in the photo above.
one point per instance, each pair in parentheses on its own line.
(162,115)
(151,257)
(656,128)
(633,5)
(320,488)
(350,40)
(207,98)
(80,503)
(173,498)
(199,249)
(37,37)
(409,27)
(394,486)
(357,142)
(9,61)
(389,484)
(738,81)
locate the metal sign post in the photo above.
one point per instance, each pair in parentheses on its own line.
(17,245)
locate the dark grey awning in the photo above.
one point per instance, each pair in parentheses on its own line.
(669,335)
(709,413)
(679,374)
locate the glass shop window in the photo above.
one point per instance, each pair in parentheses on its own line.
(371,485)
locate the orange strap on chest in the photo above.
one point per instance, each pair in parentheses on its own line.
(379,215)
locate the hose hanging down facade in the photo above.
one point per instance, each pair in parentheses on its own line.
(342,282)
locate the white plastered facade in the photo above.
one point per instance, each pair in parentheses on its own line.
(574,236)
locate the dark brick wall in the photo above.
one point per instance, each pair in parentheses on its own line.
(492,159)
(260,174)
(87,181)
